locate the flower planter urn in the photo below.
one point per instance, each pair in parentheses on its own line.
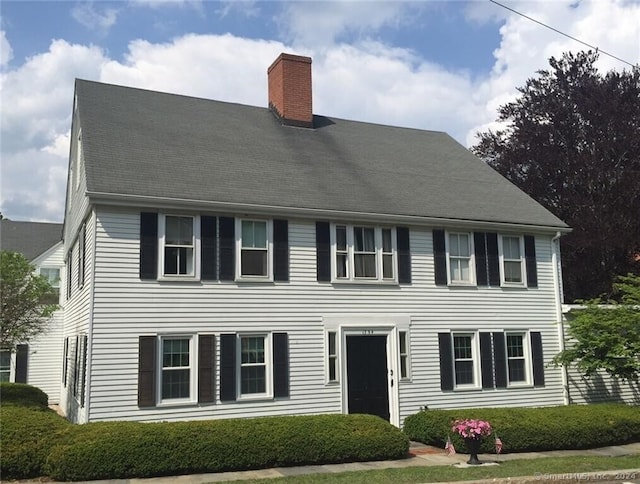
(473,446)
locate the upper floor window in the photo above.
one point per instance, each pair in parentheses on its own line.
(512,260)
(363,253)
(79,160)
(178,240)
(254,247)
(52,275)
(460,258)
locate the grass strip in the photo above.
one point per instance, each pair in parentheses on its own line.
(514,468)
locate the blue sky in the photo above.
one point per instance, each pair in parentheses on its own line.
(437,65)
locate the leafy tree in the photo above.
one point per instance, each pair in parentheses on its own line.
(23,295)
(572,142)
(607,337)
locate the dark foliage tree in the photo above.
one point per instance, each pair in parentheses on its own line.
(572,142)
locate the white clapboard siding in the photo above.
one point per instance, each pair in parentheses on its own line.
(124,307)
(45,351)
(77,310)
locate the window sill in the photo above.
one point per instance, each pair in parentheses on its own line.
(467,389)
(256,398)
(519,385)
(260,279)
(181,403)
(375,282)
(178,279)
(463,285)
(513,285)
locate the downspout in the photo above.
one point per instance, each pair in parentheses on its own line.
(555,259)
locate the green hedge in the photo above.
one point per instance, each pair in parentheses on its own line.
(23,395)
(27,434)
(118,450)
(534,429)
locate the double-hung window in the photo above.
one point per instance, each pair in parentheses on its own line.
(5,365)
(254,245)
(176,376)
(517,358)
(465,360)
(460,258)
(363,253)
(179,252)
(254,372)
(332,356)
(512,259)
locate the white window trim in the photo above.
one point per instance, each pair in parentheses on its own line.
(351,278)
(238,231)
(528,367)
(472,261)
(523,266)
(193,380)
(196,248)
(268,359)
(328,357)
(475,356)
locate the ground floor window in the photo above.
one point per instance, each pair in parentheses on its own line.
(332,356)
(176,368)
(5,365)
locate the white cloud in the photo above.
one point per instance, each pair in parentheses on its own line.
(97,20)
(6,52)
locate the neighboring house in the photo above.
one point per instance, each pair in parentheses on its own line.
(36,363)
(235,261)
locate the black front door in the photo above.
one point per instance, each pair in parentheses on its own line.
(367,375)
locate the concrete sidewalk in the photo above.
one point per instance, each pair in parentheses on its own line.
(420,455)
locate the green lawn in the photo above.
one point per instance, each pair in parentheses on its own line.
(523,467)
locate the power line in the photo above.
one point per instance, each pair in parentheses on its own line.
(562,33)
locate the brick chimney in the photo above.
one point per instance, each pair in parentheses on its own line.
(290,90)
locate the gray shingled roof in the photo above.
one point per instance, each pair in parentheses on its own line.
(31,239)
(146,143)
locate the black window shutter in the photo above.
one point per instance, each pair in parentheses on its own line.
(323,251)
(493,259)
(280,250)
(83,362)
(147,346)
(538,359)
(208,248)
(404,255)
(227,248)
(280,365)
(22,357)
(440,258)
(480,248)
(64,361)
(446,361)
(148,245)
(227,367)
(206,368)
(486,360)
(500,358)
(530,260)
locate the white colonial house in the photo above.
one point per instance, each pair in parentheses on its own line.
(38,362)
(234,261)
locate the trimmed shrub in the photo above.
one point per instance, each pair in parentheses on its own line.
(112,450)
(28,435)
(23,395)
(534,429)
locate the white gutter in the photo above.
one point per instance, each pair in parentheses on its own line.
(557,271)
